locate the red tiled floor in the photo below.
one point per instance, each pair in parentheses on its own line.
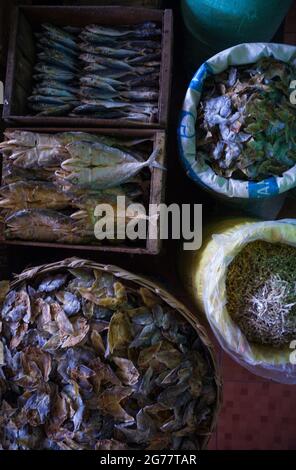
(212,445)
(257,416)
(234,372)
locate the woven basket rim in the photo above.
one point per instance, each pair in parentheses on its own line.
(75,263)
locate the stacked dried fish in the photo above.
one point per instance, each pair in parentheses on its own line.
(56,72)
(98,71)
(246,123)
(52,183)
(89,363)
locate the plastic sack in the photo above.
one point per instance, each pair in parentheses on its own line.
(204,275)
(250,196)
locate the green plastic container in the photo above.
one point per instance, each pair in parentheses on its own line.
(214,25)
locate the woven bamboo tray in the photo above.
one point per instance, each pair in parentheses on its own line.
(133,279)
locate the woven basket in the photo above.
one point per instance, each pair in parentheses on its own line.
(130,278)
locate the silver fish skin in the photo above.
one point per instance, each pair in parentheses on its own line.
(43,77)
(56,45)
(142,107)
(103,177)
(105,72)
(139,95)
(97,39)
(136,44)
(49,91)
(91,92)
(108,104)
(52,57)
(104,83)
(122,32)
(106,61)
(49,100)
(56,85)
(146,58)
(60,35)
(52,71)
(52,110)
(118,53)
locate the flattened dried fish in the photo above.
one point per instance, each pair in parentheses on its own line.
(82,382)
(41,225)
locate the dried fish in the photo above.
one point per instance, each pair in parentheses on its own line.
(112,59)
(47,195)
(246,122)
(136,32)
(60,35)
(55,45)
(42,225)
(109,51)
(90,167)
(51,56)
(33,195)
(53,111)
(72,381)
(55,73)
(262,300)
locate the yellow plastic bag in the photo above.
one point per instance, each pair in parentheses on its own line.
(204,274)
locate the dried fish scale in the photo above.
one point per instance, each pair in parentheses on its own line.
(79,385)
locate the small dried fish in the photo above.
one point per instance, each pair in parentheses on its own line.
(60,35)
(49,91)
(47,110)
(54,73)
(57,58)
(246,120)
(104,83)
(74,377)
(140,95)
(55,45)
(108,51)
(106,61)
(136,32)
(109,59)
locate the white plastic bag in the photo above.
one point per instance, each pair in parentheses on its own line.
(199,171)
(204,274)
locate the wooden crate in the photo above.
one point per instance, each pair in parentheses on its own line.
(152,245)
(134,3)
(5,22)
(18,85)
